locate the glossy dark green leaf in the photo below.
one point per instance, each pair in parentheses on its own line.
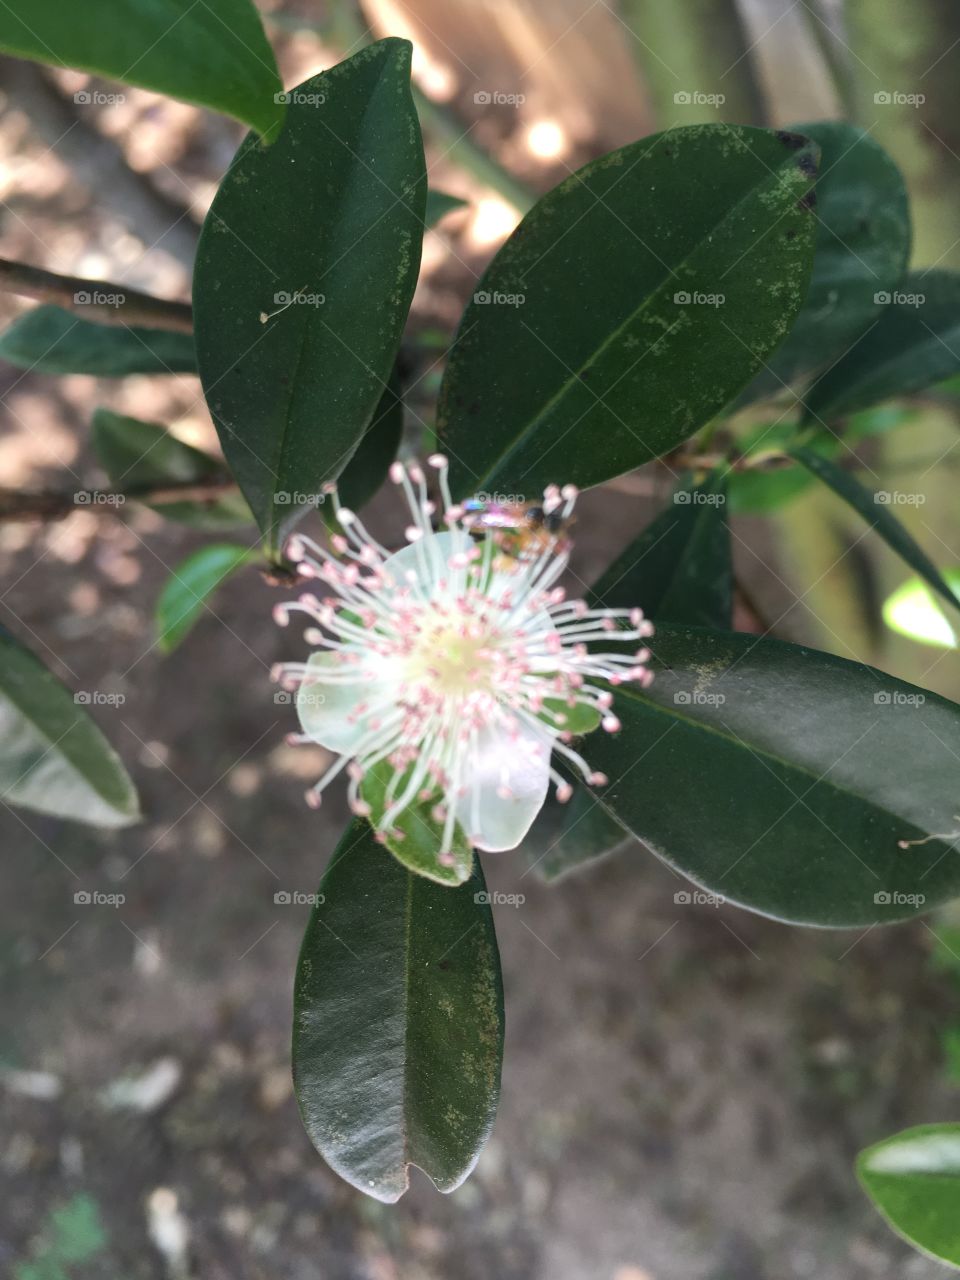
(597,339)
(305,271)
(53,758)
(214,53)
(568,836)
(416,835)
(48,339)
(139,456)
(184,597)
(439,204)
(877,509)
(912,345)
(680,567)
(784,779)
(913,1178)
(398,1022)
(367,469)
(862,246)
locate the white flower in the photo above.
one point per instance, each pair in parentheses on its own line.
(458,661)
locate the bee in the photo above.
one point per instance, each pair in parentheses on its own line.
(523,531)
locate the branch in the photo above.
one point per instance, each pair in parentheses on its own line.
(88,298)
(56,505)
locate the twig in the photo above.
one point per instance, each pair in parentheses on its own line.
(97,300)
(56,505)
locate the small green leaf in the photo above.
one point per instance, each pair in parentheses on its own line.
(628,307)
(913,1178)
(862,245)
(787,780)
(439,204)
(912,611)
(398,1022)
(48,339)
(140,455)
(875,508)
(416,840)
(213,53)
(53,758)
(680,567)
(185,594)
(367,469)
(305,270)
(914,344)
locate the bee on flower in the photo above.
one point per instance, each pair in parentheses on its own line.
(457,663)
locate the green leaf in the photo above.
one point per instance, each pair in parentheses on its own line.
(439,204)
(680,567)
(862,246)
(140,455)
(912,345)
(48,339)
(214,53)
(578,358)
(185,593)
(784,779)
(913,1178)
(367,469)
(305,270)
(398,1022)
(753,492)
(875,508)
(415,841)
(912,611)
(565,837)
(53,758)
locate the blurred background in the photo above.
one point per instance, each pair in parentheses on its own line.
(684,1087)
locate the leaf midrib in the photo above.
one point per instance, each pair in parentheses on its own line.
(576,378)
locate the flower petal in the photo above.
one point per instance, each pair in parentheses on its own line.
(518,763)
(327,710)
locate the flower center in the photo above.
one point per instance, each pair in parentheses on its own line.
(452,658)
